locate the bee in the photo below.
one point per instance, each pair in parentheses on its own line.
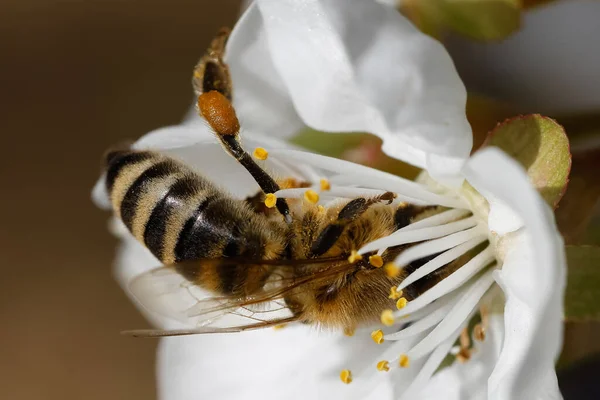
(296,255)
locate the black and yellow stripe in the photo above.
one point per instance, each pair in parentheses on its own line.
(179,215)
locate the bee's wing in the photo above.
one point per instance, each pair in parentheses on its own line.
(167,292)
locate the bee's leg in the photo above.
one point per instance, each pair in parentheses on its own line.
(331,233)
(211,72)
(213,86)
(257,200)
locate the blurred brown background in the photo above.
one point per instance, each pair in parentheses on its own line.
(77,77)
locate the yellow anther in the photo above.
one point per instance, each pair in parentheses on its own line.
(383,365)
(320,208)
(387,317)
(270,200)
(394,293)
(377,336)
(260,153)
(376,261)
(354,257)
(280,326)
(479,332)
(325,185)
(349,332)
(311,196)
(346,376)
(463,356)
(401,303)
(391,270)
(404,361)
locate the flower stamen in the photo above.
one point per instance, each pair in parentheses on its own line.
(383,365)
(377,336)
(394,293)
(387,317)
(311,196)
(270,200)
(260,153)
(464,354)
(479,333)
(391,270)
(354,257)
(346,376)
(376,261)
(404,361)
(401,303)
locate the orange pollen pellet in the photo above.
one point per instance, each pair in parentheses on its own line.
(383,365)
(260,153)
(404,361)
(349,332)
(391,270)
(479,332)
(394,293)
(377,336)
(354,257)
(219,113)
(325,185)
(401,303)
(387,317)
(270,200)
(376,261)
(311,196)
(346,376)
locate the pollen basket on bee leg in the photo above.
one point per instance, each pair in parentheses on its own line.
(219,113)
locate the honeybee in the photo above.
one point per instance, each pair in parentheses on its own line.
(295,254)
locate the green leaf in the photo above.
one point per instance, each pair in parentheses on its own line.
(582,299)
(541,146)
(477,19)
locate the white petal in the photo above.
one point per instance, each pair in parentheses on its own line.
(533,280)
(293,363)
(259,95)
(360,66)
(432,363)
(468,381)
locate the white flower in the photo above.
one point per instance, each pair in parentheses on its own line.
(341,66)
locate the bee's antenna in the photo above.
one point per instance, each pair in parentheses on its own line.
(221,116)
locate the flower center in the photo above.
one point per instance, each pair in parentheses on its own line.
(425,329)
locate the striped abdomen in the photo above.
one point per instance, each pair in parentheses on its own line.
(179,215)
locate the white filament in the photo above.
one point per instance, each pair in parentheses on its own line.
(417,235)
(450,283)
(435,246)
(460,311)
(441,260)
(371,177)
